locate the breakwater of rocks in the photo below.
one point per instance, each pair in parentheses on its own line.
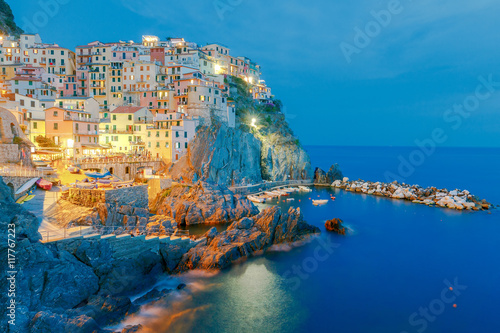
(430,196)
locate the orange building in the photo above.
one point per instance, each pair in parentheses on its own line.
(72,129)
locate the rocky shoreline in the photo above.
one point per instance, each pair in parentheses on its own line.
(430,196)
(85,284)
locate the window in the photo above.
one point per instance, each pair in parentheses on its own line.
(129,117)
(185,145)
(177,145)
(21,101)
(56,126)
(88,127)
(185,134)
(167,145)
(76,126)
(114,117)
(55,113)
(35,125)
(157,144)
(176,134)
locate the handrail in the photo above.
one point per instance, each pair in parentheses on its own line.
(64,233)
(21,172)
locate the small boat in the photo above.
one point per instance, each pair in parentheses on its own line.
(46,170)
(87,186)
(55,181)
(24,198)
(74,169)
(332,197)
(27,185)
(127,183)
(21,199)
(254,198)
(305,189)
(319,202)
(28,198)
(291,199)
(44,184)
(98,174)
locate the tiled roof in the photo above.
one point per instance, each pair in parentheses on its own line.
(127,109)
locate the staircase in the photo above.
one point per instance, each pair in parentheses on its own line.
(126,246)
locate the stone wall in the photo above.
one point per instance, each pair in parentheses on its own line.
(136,196)
(123,170)
(9,153)
(85,197)
(15,183)
(157,185)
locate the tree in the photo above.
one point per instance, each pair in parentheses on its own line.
(45,142)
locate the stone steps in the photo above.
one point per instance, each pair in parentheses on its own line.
(126,246)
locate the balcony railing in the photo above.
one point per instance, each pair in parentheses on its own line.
(112,131)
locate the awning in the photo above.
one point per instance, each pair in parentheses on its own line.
(94,146)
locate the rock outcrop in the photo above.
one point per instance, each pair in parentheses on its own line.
(335,225)
(203,203)
(245,237)
(430,196)
(327,178)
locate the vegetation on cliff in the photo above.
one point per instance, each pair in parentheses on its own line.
(261,146)
(7,24)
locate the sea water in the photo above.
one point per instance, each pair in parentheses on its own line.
(391,273)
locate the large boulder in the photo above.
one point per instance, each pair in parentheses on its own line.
(203,203)
(327,178)
(245,237)
(335,225)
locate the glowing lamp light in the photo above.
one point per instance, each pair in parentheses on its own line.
(70,143)
(253,122)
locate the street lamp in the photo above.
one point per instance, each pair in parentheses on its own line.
(253,122)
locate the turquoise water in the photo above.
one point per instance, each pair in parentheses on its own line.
(387,275)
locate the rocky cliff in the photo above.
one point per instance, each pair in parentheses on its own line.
(247,236)
(261,146)
(7,24)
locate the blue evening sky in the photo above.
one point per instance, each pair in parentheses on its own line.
(401,83)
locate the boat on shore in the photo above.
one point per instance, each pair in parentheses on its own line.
(305,189)
(118,184)
(44,184)
(256,199)
(74,169)
(319,202)
(29,184)
(96,175)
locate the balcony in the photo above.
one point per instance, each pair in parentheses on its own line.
(112,131)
